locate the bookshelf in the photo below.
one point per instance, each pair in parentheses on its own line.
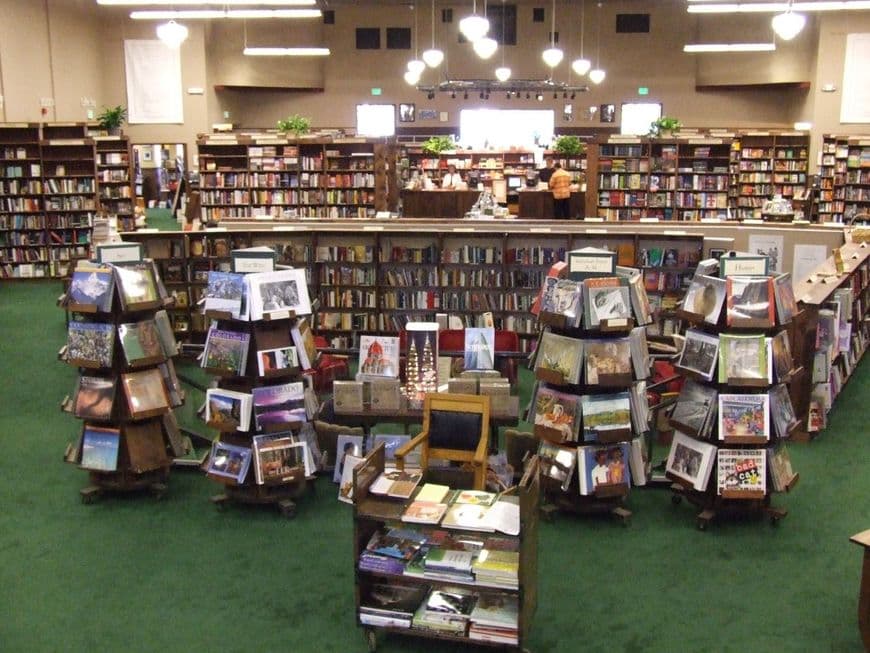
(623,178)
(856,192)
(770,163)
(703,182)
(169,251)
(224,178)
(373,514)
(833,159)
(115,179)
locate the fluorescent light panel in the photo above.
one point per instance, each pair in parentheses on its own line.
(776,7)
(222,3)
(729,47)
(286,52)
(188,14)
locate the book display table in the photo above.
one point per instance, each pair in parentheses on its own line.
(121,340)
(863,539)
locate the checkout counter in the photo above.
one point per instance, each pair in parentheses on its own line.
(454,204)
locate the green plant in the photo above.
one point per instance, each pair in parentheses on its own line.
(438,144)
(664,125)
(295,123)
(568,146)
(112,117)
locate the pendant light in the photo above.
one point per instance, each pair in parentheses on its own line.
(503,73)
(474,27)
(415,65)
(581,65)
(597,74)
(172,34)
(788,24)
(433,56)
(553,56)
(485,46)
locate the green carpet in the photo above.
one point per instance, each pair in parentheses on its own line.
(134,574)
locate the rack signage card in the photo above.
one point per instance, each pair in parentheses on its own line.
(582,265)
(120,253)
(253,260)
(743,266)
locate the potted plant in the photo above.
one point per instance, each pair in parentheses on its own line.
(297,124)
(112,118)
(664,126)
(437,144)
(568,146)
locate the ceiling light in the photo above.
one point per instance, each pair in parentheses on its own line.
(411,77)
(416,66)
(788,25)
(597,75)
(553,56)
(729,47)
(286,52)
(581,66)
(502,73)
(222,3)
(433,57)
(474,27)
(776,7)
(485,47)
(195,14)
(172,34)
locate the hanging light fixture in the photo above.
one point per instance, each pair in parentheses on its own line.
(415,65)
(172,34)
(433,56)
(485,47)
(788,24)
(553,55)
(474,27)
(581,65)
(597,74)
(503,73)
(411,77)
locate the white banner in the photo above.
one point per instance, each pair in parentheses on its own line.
(154,92)
(855,105)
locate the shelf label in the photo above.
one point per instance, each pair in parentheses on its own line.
(463,229)
(743,266)
(213,229)
(539,230)
(753,221)
(674,232)
(591,264)
(285,227)
(373,227)
(596,231)
(649,219)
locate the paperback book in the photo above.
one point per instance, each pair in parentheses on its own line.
(691,460)
(744,416)
(556,410)
(560,354)
(166,333)
(781,473)
(303,338)
(750,301)
(94,398)
(741,470)
(278,405)
(226,351)
(780,347)
(479,349)
(277,293)
(278,459)
(229,461)
(695,410)
(225,292)
(606,416)
(640,358)
(379,356)
(605,298)
(786,306)
(92,285)
(146,392)
(137,283)
(742,357)
(700,352)
(140,342)
(100,448)
(782,411)
(91,342)
(606,359)
(557,462)
(345,484)
(346,445)
(705,298)
(396,483)
(564,297)
(390,604)
(640,302)
(603,466)
(275,360)
(227,410)
(424,512)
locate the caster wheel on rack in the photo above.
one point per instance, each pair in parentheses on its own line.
(372,640)
(676,499)
(89,495)
(702,524)
(288,509)
(158,490)
(220,502)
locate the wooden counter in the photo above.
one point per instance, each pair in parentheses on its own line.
(437,203)
(538,204)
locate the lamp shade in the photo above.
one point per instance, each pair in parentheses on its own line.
(553,56)
(788,25)
(433,57)
(172,34)
(416,66)
(411,77)
(597,75)
(502,73)
(581,66)
(485,47)
(474,27)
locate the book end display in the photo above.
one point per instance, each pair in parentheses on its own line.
(589,407)
(120,338)
(262,401)
(735,408)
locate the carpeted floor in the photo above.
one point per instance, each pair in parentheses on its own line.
(133,574)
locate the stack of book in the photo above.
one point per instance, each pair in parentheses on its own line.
(497,568)
(495,618)
(448,564)
(445,611)
(390,605)
(389,551)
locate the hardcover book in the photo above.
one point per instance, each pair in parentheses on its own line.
(424,512)
(385,394)
(741,470)
(744,416)
(742,357)
(278,405)
(146,450)
(564,297)
(557,410)
(278,460)
(347,396)
(699,353)
(607,358)
(695,408)
(605,298)
(781,350)
(346,445)
(137,283)
(604,415)
(560,354)
(464,516)
(227,410)
(229,461)
(781,472)
(691,460)
(303,338)
(91,342)
(273,360)
(603,466)
(786,307)
(146,392)
(479,349)
(226,351)
(379,356)
(92,285)
(750,301)
(140,342)
(781,410)
(705,298)
(557,462)
(100,448)
(275,293)
(225,292)
(395,483)
(94,398)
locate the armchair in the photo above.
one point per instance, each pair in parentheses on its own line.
(455,428)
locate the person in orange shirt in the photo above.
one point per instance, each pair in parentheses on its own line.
(560,184)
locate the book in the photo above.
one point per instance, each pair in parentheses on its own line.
(705,298)
(146,450)
(556,410)
(391,600)
(607,358)
(347,396)
(225,292)
(395,483)
(557,462)
(91,285)
(94,398)
(465,516)
(475,497)
(146,392)
(99,450)
(691,460)
(229,461)
(278,405)
(398,543)
(640,302)
(227,410)
(385,394)
(137,285)
(172,382)
(782,411)
(564,297)
(140,342)
(560,354)
(557,271)
(273,360)
(695,408)
(165,333)
(605,298)
(699,353)
(379,356)
(741,470)
(604,415)
(780,347)
(424,512)
(226,351)
(277,459)
(742,357)
(750,301)
(90,342)
(303,339)
(421,370)
(479,348)
(603,466)
(779,464)
(495,618)
(346,445)
(278,293)
(786,306)
(639,461)
(744,416)
(639,348)
(432,493)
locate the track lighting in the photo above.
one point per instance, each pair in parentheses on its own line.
(539,97)
(466,96)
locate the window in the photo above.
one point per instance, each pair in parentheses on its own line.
(637,116)
(503,23)
(538,15)
(368,38)
(329,17)
(376,120)
(398,38)
(446,15)
(632,23)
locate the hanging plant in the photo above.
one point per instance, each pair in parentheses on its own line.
(664,126)
(297,124)
(569,146)
(438,144)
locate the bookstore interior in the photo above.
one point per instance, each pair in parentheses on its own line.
(435,295)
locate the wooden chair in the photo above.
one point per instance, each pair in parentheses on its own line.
(455,428)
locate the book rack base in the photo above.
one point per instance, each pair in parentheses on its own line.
(282,497)
(553,502)
(371,635)
(125,481)
(713,506)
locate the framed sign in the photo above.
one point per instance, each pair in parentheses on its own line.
(406,113)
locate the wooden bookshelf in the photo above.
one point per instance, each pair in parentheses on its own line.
(623,178)
(115,179)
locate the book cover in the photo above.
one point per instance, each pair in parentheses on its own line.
(432,493)
(303,338)
(786,306)
(695,405)
(557,410)
(273,360)
(226,350)
(399,543)
(640,301)
(781,410)
(146,392)
(94,398)
(137,284)
(705,298)
(379,356)
(781,472)
(744,416)
(742,357)
(345,483)
(691,460)
(226,410)
(146,450)
(347,396)
(385,394)
(92,342)
(225,292)
(229,461)
(496,610)
(780,346)
(100,448)
(396,483)
(273,293)
(346,445)
(479,348)
(603,466)
(475,497)
(140,342)
(165,333)
(92,285)
(466,517)
(392,598)
(565,298)
(603,414)
(750,301)
(278,404)
(557,462)
(607,358)
(421,370)
(424,512)
(277,460)
(741,470)
(561,354)
(699,354)
(606,298)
